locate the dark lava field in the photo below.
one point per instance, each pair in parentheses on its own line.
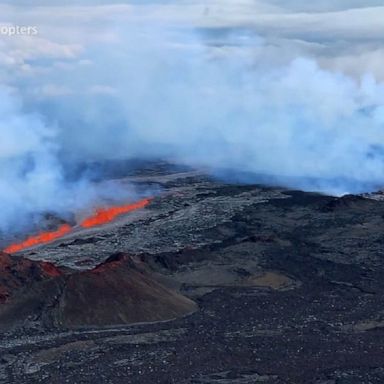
(210,283)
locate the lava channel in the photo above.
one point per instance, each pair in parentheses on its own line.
(101,217)
(42,238)
(106,215)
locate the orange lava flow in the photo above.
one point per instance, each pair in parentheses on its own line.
(106,215)
(102,216)
(41,238)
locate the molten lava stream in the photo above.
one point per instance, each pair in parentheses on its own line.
(41,238)
(102,216)
(106,215)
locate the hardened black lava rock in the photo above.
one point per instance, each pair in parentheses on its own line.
(288,287)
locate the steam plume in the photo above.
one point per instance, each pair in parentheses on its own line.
(230,108)
(168,94)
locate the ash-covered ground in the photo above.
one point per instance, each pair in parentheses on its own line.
(224,284)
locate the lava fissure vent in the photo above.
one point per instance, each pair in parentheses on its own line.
(102,216)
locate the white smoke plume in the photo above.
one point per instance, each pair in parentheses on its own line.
(32,179)
(221,97)
(233,109)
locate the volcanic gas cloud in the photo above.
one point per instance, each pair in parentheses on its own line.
(102,216)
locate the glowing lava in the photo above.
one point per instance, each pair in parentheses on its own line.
(106,215)
(41,238)
(102,216)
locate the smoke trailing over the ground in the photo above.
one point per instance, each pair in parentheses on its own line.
(240,106)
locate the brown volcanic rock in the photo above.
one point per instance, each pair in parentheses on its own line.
(119,291)
(16,273)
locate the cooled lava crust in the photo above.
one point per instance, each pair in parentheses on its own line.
(256,284)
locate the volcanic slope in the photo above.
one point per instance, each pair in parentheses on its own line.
(119,291)
(288,286)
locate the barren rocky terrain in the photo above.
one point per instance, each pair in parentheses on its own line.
(211,283)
